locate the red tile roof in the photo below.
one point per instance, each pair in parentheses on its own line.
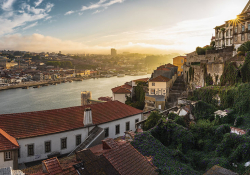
(127,160)
(124,89)
(142,79)
(105,98)
(163,68)
(32,124)
(7,142)
(52,166)
(159,79)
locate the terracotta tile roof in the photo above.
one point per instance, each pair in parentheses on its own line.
(52,166)
(7,142)
(94,165)
(32,124)
(124,89)
(142,79)
(127,160)
(160,79)
(163,68)
(170,65)
(66,163)
(105,98)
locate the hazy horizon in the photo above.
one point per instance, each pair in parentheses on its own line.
(96,26)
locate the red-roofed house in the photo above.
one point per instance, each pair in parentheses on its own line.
(8,150)
(42,134)
(121,92)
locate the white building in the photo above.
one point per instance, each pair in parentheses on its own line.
(61,131)
(120,93)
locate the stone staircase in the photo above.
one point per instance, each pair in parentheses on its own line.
(175,92)
(93,135)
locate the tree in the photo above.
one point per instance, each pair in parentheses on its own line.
(152,120)
(244,48)
(200,51)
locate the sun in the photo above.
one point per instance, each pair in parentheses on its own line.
(236,21)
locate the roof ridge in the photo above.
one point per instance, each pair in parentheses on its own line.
(9,137)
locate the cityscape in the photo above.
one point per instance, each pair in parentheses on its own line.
(124,87)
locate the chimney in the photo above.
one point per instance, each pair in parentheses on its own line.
(87,117)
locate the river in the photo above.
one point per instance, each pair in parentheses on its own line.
(59,96)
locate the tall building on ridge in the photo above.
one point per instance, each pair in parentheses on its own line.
(113,52)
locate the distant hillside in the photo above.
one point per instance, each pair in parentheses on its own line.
(154,61)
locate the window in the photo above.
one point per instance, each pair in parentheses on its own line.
(47,147)
(242,37)
(227,33)
(248,36)
(127,126)
(235,38)
(181,61)
(231,32)
(64,143)
(78,139)
(243,28)
(7,156)
(152,91)
(153,84)
(19,153)
(236,29)
(226,42)
(136,121)
(248,26)
(231,41)
(31,150)
(106,130)
(117,129)
(182,67)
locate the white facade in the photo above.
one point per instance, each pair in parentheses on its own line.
(5,164)
(122,123)
(120,97)
(55,139)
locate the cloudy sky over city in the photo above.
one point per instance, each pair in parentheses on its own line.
(95,26)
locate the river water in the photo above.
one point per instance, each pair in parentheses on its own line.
(59,96)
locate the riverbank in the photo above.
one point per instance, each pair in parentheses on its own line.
(27,85)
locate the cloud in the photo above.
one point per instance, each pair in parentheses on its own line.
(7,5)
(31,25)
(14,20)
(37,3)
(69,12)
(101,4)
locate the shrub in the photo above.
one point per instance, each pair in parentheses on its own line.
(200,51)
(239,120)
(203,110)
(152,120)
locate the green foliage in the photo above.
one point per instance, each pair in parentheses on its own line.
(181,121)
(212,44)
(230,118)
(242,99)
(204,110)
(152,120)
(231,74)
(239,120)
(172,116)
(245,47)
(191,74)
(245,69)
(209,80)
(200,51)
(206,94)
(138,100)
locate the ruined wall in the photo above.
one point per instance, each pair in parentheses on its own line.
(215,69)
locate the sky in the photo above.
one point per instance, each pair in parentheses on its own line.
(96,26)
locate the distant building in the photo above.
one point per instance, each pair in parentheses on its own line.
(60,52)
(236,31)
(113,52)
(179,61)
